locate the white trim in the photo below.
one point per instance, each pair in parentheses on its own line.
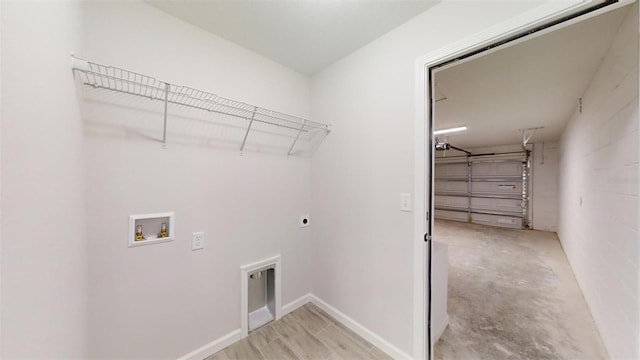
(296,304)
(132,228)
(214,346)
(538,16)
(419,222)
(438,332)
(236,335)
(360,329)
(272,262)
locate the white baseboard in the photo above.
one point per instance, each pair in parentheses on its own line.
(228,339)
(295,304)
(436,333)
(361,330)
(214,346)
(375,339)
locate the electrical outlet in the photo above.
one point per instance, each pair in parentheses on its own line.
(198,241)
(304,220)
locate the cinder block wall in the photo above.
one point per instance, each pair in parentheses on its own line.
(598,222)
(545,187)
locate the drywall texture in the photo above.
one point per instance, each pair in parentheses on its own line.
(544,195)
(44,251)
(598,222)
(165,300)
(368,160)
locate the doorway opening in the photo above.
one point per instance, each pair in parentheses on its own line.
(496,190)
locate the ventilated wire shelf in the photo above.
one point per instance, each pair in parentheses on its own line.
(133,83)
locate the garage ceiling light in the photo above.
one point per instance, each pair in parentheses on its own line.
(450,130)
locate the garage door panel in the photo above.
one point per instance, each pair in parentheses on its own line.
(452,170)
(497,187)
(451,215)
(451,186)
(451,201)
(497,169)
(503,205)
(494,193)
(497,220)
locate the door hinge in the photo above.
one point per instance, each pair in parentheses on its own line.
(427,237)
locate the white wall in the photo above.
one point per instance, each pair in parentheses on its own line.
(164,300)
(545,187)
(44,247)
(367,161)
(1,178)
(598,222)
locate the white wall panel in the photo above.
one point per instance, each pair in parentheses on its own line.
(44,239)
(368,159)
(164,300)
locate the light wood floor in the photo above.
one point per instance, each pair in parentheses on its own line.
(306,333)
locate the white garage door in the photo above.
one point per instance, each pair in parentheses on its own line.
(486,189)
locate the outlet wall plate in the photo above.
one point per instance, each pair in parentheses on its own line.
(197,242)
(304,220)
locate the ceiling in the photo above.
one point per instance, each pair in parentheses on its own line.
(535,83)
(306,36)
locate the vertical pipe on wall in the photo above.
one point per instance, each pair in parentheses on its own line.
(525,184)
(468,189)
(530,205)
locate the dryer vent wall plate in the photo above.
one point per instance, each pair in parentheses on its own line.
(304,221)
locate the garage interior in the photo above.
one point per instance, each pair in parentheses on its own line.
(534,199)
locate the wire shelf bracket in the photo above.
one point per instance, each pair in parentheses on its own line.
(120,80)
(244,140)
(296,139)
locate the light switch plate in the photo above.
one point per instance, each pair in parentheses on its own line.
(198,241)
(405,202)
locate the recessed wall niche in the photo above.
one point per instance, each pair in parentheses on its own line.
(147,229)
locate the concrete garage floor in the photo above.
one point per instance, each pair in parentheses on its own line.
(512,294)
